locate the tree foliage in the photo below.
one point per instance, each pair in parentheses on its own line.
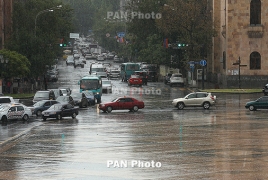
(37,31)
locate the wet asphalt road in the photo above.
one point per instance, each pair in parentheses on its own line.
(158,142)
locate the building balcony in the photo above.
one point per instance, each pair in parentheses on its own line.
(255,31)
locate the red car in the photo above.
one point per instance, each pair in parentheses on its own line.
(135,80)
(122,103)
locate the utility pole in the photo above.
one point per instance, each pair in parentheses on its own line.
(238,62)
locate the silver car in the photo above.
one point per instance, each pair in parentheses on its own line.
(176,79)
(15,111)
(196,99)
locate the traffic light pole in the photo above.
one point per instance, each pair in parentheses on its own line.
(239,66)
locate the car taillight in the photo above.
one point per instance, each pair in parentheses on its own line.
(212,97)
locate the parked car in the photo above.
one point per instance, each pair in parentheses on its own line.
(143,75)
(6,100)
(60,110)
(106,86)
(122,103)
(260,103)
(40,106)
(176,78)
(80,99)
(265,90)
(14,111)
(135,80)
(65,99)
(113,73)
(44,95)
(196,99)
(78,62)
(167,78)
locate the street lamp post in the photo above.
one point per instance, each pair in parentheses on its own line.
(238,62)
(41,12)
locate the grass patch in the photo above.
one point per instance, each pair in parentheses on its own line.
(21,96)
(233,90)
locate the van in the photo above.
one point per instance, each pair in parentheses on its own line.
(44,95)
(98,69)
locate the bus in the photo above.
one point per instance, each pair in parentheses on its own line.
(92,83)
(127,69)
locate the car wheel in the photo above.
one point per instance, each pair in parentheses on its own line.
(135,108)
(4,119)
(39,113)
(109,109)
(74,115)
(180,105)
(251,108)
(58,117)
(206,105)
(25,117)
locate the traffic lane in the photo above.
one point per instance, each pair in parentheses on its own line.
(189,144)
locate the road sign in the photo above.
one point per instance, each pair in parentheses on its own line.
(203,62)
(191,65)
(121,34)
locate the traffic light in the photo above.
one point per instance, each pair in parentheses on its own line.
(181,45)
(63,45)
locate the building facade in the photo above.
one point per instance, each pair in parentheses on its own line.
(240,50)
(6,7)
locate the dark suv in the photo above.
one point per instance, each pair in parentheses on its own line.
(167,78)
(44,95)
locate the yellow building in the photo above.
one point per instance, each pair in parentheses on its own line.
(242,27)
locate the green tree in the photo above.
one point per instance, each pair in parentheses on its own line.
(17,66)
(37,31)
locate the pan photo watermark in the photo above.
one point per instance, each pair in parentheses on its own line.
(136,90)
(119,15)
(133,164)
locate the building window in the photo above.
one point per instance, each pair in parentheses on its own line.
(255,60)
(255,12)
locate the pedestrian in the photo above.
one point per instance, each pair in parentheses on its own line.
(8,86)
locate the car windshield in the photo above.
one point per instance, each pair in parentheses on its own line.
(77,95)
(106,82)
(41,94)
(177,75)
(135,76)
(98,69)
(39,103)
(60,98)
(88,93)
(55,107)
(89,84)
(64,91)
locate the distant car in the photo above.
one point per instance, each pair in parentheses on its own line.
(167,78)
(152,76)
(83,60)
(65,99)
(70,61)
(1,94)
(143,75)
(40,106)
(44,95)
(260,103)
(89,56)
(196,99)
(176,79)
(57,92)
(106,86)
(113,73)
(135,80)
(100,58)
(122,103)
(66,91)
(60,110)
(80,99)
(78,62)
(265,90)
(51,76)
(76,56)
(14,111)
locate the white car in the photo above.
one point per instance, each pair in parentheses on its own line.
(15,111)
(106,86)
(176,78)
(196,99)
